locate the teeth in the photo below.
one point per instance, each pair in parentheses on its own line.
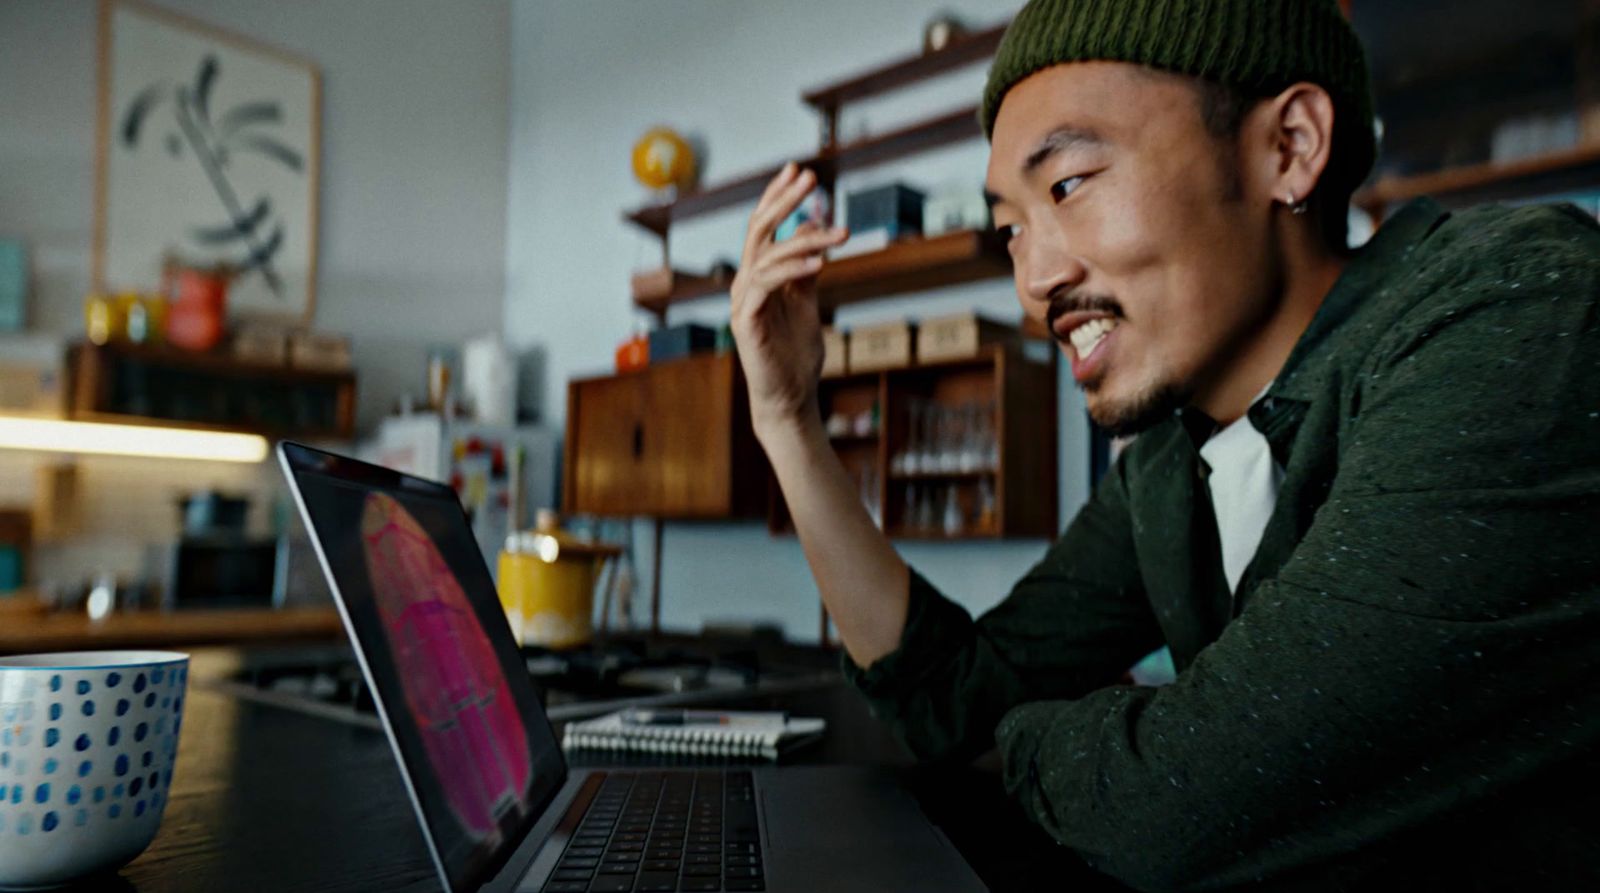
(1086,338)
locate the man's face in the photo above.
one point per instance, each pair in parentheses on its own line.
(1132,235)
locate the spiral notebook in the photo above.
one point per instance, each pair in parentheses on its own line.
(738,734)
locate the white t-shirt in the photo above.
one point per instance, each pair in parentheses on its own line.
(1244,482)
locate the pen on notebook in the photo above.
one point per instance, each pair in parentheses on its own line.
(635,717)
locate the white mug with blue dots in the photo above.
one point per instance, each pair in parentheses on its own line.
(87,746)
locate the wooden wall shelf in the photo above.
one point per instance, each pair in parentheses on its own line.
(913,265)
(162,385)
(828,164)
(973,47)
(1555,172)
(909,265)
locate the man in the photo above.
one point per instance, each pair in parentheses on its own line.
(1363,511)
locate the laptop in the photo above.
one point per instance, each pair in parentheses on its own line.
(498,805)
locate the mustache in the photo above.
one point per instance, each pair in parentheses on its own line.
(1062,303)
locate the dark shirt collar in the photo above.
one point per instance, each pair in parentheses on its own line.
(1372,264)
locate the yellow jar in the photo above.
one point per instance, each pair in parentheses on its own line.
(103,319)
(546,584)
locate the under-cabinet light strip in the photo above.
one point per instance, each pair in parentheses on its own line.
(53,435)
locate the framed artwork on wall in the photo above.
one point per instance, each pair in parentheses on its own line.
(208,146)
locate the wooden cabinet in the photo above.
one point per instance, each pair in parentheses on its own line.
(670,441)
(960,449)
(124,382)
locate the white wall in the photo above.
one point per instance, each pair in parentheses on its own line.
(587,79)
(414,145)
(412,240)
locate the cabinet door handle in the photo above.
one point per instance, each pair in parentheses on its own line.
(638,440)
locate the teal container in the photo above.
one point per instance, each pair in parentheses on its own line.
(10,569)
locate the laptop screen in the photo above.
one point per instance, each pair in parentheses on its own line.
(472,739)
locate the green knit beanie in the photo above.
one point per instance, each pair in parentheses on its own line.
(1258,46)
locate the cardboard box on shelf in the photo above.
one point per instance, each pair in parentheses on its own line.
(833,351)
(317,350)
(264,344)
(884,346)
(958,336)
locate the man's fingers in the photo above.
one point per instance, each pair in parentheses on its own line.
(778,182)
(773,277)
(806,242)
(764,221)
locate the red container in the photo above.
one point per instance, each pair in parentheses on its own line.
(195,321)
(633,354)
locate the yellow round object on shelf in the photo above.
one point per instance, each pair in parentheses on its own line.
(662,158)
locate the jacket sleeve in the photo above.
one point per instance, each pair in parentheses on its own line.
(1075,622)
(1431,643)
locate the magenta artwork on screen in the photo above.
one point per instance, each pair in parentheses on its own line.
(454,685)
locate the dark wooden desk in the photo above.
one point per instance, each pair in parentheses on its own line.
(29,631)
(269,799)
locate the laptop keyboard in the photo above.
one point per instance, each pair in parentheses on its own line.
(653,832)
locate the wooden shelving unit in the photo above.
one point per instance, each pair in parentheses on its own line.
(1025,506)
(142,384)
(1022,392)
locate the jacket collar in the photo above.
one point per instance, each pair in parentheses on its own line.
(1315,356)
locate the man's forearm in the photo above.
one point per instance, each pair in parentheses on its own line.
(863,582)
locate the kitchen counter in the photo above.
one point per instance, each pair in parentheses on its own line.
(271,799)
(29,631)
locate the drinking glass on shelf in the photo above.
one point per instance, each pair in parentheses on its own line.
(870,495)
(953,520)
(949,438)
(986,506)
(930,460)
(908,460)
(974,450)
(991,437)
(927,509)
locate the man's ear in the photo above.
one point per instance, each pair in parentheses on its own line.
(1296,130)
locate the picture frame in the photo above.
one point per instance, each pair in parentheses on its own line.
(208,153)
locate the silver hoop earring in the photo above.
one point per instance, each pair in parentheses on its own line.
(1298,208)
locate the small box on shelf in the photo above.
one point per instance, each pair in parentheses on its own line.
(954,210)
(960,336)
(319,351)
(677,342)
(883,346)
(833,352)
(895,207)
(266,345)
(880,217)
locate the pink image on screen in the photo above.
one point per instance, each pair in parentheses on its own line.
(454,685)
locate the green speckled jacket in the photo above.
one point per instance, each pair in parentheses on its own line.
(1406,688)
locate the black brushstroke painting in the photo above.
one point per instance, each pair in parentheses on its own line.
(212,146)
